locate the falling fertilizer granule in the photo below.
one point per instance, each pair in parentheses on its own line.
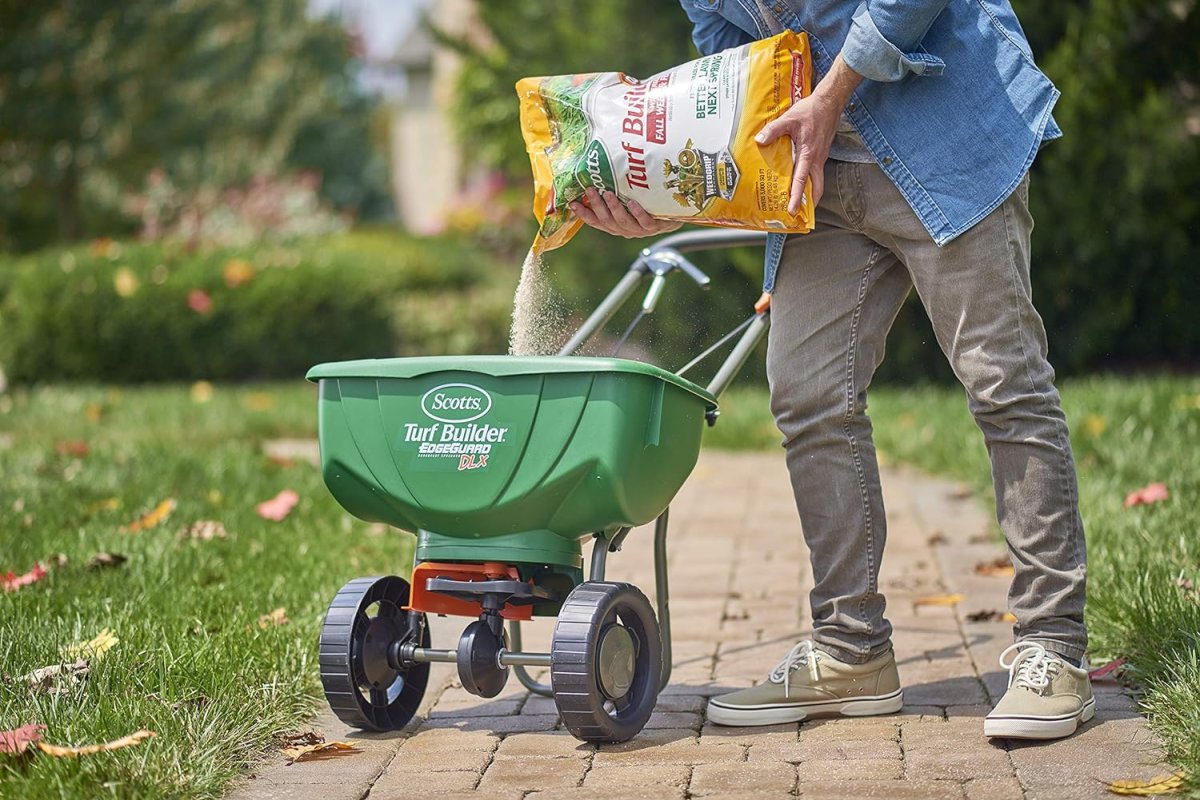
(539,315)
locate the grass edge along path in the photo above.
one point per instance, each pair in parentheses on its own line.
(200,660)
(1144,561)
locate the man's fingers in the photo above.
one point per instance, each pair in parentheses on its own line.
(799,176)
(642,217)
(769,133)
(599,208)
(584,213)
(818,185)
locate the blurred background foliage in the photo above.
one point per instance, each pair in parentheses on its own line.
(214,131)
(96,94)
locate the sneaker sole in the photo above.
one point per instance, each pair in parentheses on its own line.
(1018,727)
(776,713)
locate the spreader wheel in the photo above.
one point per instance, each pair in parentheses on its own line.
(605,661)
(363,622)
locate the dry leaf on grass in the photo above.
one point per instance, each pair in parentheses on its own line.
(56,560)
(1154,493)
(320,752)
(16,742)
(72,447)
(107,504)
(94,648)
(12,581)
(276,617)
(279,506)
(204,530)
(91,749)
(999,566)
(1107,669)
(56,678)
(939,600)
(1162,784)
(105,560)
(151,518)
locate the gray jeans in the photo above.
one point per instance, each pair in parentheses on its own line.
(838,292)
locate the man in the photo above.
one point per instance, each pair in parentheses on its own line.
(917,140)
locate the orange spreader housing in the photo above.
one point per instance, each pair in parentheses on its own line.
(436,603)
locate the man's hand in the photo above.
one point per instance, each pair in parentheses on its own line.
(630,220)
(811,123)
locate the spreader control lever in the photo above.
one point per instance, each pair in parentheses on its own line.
(661,261)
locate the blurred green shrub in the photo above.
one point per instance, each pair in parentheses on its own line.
(114,311)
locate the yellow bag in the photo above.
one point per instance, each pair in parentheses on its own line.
(681,143)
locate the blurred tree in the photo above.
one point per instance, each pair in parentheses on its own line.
(1118,214)
(95,94)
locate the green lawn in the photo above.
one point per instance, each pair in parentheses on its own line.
(192,663)
(1127,432)
(194,666)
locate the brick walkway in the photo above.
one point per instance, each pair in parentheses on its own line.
(739,580)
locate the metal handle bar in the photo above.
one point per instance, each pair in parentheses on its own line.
(659,259)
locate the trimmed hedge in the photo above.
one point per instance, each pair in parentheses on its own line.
(120,312)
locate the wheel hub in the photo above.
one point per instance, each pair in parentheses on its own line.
(618,656)
(381,632)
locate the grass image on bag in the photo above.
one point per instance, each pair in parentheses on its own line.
(680,143)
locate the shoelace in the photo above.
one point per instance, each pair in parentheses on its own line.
(801,654)
(1033,671)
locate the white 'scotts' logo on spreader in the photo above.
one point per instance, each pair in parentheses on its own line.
(456,402)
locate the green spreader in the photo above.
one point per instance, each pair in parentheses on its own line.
(502,466)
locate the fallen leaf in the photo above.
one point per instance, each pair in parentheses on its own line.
(279,506)
(987,615)
(72,447)
(936,539)
(151,518)
(960,492)
(939,600)
(57,559)
(94,648)
(104,560)
(1162,784)
(50,680)
(104,247)
(238,271)
(302,739)
(1153,493)
(195,701)
(200,301)
(1094,425)
(259,401)
(11,582)
(996,567)
(320,752)
(91,749)
(107,504)
(202,392)
(276,617)
(1107,669)
(15,742)
(204,530)
(125,283)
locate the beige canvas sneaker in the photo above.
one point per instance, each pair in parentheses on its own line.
(1047,698)
(810,682)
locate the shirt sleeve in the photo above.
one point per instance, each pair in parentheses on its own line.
(885,37)
(711,32)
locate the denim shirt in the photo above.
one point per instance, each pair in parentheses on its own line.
(953,107)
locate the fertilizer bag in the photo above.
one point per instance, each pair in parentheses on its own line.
(680,143)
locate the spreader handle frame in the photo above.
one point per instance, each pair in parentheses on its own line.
(658,260)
